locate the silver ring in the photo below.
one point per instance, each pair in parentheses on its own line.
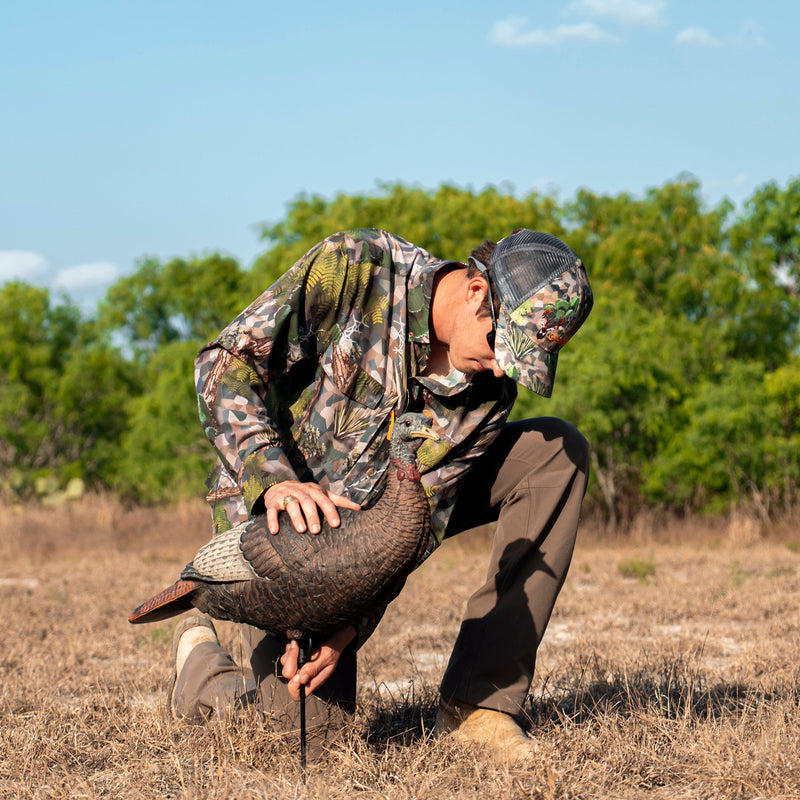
(289,498)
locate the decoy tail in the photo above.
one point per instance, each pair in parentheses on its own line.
(172,601)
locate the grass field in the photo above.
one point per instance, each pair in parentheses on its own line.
(671,669)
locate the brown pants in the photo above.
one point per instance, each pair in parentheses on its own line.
(211,684)
(531,481)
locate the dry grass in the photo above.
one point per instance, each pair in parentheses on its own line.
(677,679)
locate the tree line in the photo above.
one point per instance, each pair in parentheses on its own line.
(685,378)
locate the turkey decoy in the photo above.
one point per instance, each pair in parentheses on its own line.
(302,584)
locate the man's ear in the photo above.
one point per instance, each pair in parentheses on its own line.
(477,288)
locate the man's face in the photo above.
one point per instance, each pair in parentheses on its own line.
(470,348)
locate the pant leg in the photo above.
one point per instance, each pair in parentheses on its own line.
(531,481)
(212,684)
(328,709)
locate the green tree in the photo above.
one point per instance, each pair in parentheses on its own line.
(665,247)
(727,453)
(766,244)
(164,455)
(620,381)
(63,392)
(772,220)
(178,301)
(783,389)
(35,339)
(91,403)
(685,378)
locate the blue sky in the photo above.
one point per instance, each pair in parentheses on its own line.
(173,128)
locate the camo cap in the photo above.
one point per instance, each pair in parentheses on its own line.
(545,297)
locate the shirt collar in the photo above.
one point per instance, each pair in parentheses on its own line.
(451,384)
(420,293)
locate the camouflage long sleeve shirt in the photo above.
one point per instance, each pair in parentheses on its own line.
(301,385)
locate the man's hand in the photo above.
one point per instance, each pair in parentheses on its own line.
(320,665)
(303,502)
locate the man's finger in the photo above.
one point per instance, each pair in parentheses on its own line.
(303,503)
(272,520)
(343,502)
(320,677)
(328,508)
(311,512)
(329,504)
(295,511)
(289,660)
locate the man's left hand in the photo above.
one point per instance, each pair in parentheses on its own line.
(320,665)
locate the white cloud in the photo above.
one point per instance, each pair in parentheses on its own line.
(83,283)
(699,37)
(629,12)
(514,32)
(21,265)
(750,35)
(93,276)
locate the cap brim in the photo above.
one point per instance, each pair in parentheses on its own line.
(529,337)
(523,359)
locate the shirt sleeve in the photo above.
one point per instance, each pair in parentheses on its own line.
(236,374)
(237,422)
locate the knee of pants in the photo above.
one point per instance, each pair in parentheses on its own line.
(564,438)
(576,445)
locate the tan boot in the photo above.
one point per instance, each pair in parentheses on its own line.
(506,742)
(192,631)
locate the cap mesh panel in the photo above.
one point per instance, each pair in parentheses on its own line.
(525,262)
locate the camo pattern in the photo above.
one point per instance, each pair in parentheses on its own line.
(530,337)
(301,384)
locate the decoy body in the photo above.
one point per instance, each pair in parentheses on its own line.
(302,584)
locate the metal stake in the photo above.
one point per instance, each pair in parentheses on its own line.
(304,646)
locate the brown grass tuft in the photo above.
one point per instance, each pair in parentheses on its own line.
(684,685)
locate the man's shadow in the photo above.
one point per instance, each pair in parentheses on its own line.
(408,719)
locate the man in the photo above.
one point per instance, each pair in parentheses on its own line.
(296,395)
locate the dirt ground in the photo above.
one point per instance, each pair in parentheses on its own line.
(671,669)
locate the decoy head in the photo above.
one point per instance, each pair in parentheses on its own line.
(407,433)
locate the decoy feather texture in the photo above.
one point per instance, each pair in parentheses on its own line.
(302,584)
